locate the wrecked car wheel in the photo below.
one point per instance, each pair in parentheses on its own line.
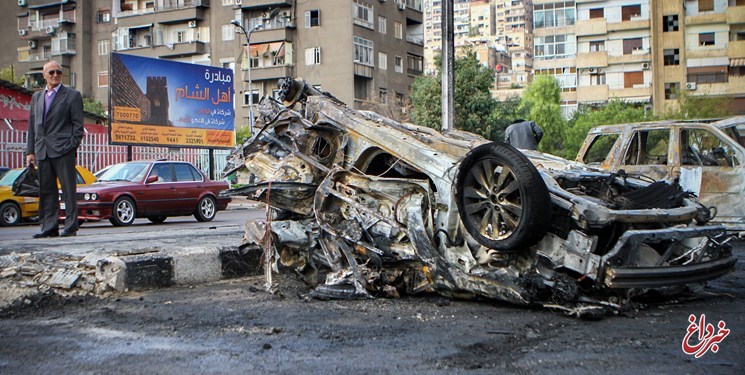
(502,199)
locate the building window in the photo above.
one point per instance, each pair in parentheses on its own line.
(705,5)
(313,56)
(415,64)
(596,13)
(648,147)
(398,30)
(552,47)
(254,61)
(103,16)
(228,32)
(567,77)
(632,78)
(104,47)
(706,39)
(383,95)
(671,89)
(597,46)
(597,79)
(631,45)
(708,74)
(670,23)
(399,67)
(312,18)
(103,79)
(671,56)
(363,51)
(362,14)
(553,15)
(254,99)
(382,26)
(382,61)
(630,11)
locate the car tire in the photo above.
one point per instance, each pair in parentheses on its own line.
(124,212)
(206,209)
(157,219)
(512,197)
(10,214)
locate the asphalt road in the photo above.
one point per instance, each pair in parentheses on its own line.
(233,327)
(232,217)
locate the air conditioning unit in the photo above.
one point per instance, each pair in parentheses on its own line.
(31,44)
(22,32)
(192,24)
(690,86)
(401,6)
(645,66)
(50,29)
(591,70)
(22,3)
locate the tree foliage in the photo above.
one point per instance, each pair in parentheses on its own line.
(615,112)
(9,73)
(699,107)
(93,106)
(474,105)
(541,101)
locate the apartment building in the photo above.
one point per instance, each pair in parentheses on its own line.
(645,52)
(360,50)
(499,31)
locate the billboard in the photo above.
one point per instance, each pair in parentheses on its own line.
(156,102)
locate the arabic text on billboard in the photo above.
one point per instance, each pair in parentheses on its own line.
(169,103)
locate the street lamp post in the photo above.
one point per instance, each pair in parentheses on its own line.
(236,23)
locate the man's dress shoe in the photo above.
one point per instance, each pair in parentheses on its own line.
(48,233)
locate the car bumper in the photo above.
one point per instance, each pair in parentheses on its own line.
(89,211)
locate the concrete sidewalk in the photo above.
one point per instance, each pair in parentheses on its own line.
(103,263)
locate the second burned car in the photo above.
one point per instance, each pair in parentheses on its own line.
(366,206)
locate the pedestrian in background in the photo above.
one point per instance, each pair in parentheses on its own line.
(54,134)
(523,134)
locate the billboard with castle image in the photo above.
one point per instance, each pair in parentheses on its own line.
(157,102)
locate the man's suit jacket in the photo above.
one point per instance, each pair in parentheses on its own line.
(62,129)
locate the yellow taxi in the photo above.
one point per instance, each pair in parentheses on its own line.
(14,208)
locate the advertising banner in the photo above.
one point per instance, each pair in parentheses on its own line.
(168,103)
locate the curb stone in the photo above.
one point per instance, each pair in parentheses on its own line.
(186,266)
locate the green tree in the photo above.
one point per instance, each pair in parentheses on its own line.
(505,112)
(242,134)
(541,101)
(9,73)
(615,112)
(473,102)
(93,106)
(699,107)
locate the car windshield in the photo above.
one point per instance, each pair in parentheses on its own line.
(10,177)
(125,172)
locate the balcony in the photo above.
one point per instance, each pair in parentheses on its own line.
(270,73)
(264,4)
(363,70)
(636,56)
(596,59)
(596,26)
(736,15)
(706,19)
(736,49)
(415,39)
(167,14)
(633,93)
(170,50)
(592,94)
(634,24)
(271,35)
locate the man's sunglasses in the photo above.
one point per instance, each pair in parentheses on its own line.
(53,72)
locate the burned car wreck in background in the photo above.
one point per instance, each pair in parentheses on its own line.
(364,206)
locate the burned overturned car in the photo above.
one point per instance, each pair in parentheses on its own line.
(363,206)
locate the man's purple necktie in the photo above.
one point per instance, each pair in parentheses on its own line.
(48,98)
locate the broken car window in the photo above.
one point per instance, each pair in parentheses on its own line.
(702,148)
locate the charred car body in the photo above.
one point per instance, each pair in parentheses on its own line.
(380,208)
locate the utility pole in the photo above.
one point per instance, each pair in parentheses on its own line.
(448,66)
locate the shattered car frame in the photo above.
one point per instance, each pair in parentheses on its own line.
(381,208)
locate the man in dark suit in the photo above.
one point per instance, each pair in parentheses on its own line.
(55,131)
(523,134)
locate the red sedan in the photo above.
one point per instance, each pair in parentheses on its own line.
(153,190)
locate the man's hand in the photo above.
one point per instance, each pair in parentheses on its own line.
(31,159)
